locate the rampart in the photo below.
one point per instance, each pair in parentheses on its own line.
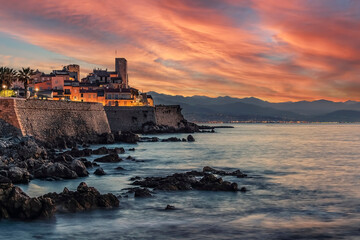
(169,115)
(129,118)
(48,120)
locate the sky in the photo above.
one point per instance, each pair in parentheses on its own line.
(276,50)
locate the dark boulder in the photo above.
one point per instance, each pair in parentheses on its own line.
(171,139)
(101,151)
(18,175)
(170,207)
(126,137)
(142,193)
(236,173)
(187,181)
(109,158)
(83,199)
(55,170)
(100,172)
(14,203)
(106,138)
(119,168)
(190,138)
(80,168)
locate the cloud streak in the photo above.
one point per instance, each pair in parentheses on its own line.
(275,50)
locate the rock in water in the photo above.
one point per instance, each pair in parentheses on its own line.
(19,175)
(57,170)
(80,168)
(109,158)
(83,199)
(142,193)
(14,203)
(190,138)
(170,207)
(100,172)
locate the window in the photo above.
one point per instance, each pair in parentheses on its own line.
(82,95)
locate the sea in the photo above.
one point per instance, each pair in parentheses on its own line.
(303,183)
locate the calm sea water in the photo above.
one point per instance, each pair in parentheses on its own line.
(304,184)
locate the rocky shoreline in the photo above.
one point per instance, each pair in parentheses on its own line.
(24,158)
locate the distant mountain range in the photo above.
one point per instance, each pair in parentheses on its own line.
(226,109)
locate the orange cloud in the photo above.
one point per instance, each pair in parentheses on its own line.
(274,50)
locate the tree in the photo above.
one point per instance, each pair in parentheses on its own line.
(7,76)
(24,76)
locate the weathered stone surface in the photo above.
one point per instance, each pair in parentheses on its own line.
(100,172)
(83,199)
(48,120)
(109,158)
(14,203)
(187,181)
(18,175)
(80,168)
(57,170)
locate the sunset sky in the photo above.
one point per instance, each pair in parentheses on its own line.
(276,50)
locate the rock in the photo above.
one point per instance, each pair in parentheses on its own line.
(14,203)
(83,199)
(106,138)
(87,163)
(18,175)
(109,158)
(149,139)
(95,164)
(80,168)
(236,173)
(190,138)
(104,150)
(99,172)
(4,179)
(243,189)
(64,158)
(131,149)
(135,178)
(56,170)
(187,181)
(28,148)
(171,139)
(170,207)
(119,168)
(75,152)
(101,151)
(183,140)
(142,193)
(126,137)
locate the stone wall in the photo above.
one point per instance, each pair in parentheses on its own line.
(47,120)
(169,115)
(129,118)
(9,122)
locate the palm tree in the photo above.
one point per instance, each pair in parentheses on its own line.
(24,76)
(7,76)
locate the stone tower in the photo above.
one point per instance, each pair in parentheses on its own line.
(121,70)
(74,68)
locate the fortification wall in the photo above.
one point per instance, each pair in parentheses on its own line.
(47,120)
(169,115)
(9,122)
(129,118)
